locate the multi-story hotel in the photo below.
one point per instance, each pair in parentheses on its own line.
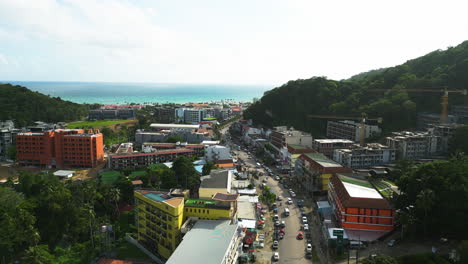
(357,205)
(60,148)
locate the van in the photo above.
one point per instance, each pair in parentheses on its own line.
(286,211)
(356,244)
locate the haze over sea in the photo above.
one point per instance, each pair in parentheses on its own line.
(124,93)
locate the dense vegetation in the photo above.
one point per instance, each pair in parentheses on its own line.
(46,220)
(431,200)
(25,106)
(291,103)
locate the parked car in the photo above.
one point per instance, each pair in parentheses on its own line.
(303,213)
(276,256)
(391,243)
(309,248)
(282,231)
(289,201)
(277,178)
(308,255)
(275,217)
(277,223)
(275,244)
(300,236)
(306,227)
(304,220)
(283,224)
(293,194)
(279,198)
(299,203)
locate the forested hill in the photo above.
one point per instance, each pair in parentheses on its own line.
(293,101)
(25,106)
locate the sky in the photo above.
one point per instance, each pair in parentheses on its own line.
(218,41)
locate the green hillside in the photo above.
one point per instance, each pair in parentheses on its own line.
(293,101)
(25,106)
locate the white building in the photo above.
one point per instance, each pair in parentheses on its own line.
(357,157)
(348,129)
(216,152)
(209,242)
(193,115)
(413,145)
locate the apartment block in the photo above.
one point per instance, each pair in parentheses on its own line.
(197,148)
(357,205)
(350,130)
(60,148)
(139,159)
(193,116)
(314,170)
(327,146)
(111,114)
(413,145)
(8,134)
(217,153)
(425,120)
(358,157)
(165,114)
(159,217)
(281,137)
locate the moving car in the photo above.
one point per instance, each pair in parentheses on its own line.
(309,248)
(276,256)
(299,203)
(304,220)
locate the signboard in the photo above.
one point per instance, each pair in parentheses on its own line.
(338,232)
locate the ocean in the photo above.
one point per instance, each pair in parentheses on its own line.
(145,93)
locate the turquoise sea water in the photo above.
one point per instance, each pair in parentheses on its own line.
(123,93)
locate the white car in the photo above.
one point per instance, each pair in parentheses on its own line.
(279,198)
(304,220)
(309,248)
(289,201)
(276,256)
(306,227)
(293,194)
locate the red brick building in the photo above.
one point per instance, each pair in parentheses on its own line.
(358,205)
(60,148)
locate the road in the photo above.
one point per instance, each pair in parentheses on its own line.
(291,250)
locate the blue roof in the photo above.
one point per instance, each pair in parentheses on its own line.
(158,197)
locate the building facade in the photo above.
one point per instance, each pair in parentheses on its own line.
(111,114)
(425,120)
(357,157)
(358,206)
(281,137)
(197,148)
(413,145)
(165,114)
(138,159)
(60,148)
(314,170)
(350,130)
(8,134)
(327,146)
(193,116)
(159,218)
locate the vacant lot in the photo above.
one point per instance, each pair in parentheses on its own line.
(99,124)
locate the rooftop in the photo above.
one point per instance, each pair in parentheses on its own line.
(217,179)
(322,160)
(160,152)
(176,126)
(207,242)
(331,141)
(160,196)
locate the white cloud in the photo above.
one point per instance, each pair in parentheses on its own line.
(3,60)
(266,41)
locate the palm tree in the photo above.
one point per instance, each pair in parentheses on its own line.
(115,196)
(425,201)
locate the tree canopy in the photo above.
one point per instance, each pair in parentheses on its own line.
(292,102)
(25,106)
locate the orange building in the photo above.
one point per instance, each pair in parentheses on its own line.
(60,148)
(358,205)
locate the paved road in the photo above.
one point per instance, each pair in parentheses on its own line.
(290,250)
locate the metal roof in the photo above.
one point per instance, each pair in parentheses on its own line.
(207,242)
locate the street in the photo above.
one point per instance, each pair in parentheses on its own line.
(291,250)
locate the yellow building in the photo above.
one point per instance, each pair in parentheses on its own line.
(220,207)
(159,218)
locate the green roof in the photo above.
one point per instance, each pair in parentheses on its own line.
(199,203)
(296,146)
(354,181)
